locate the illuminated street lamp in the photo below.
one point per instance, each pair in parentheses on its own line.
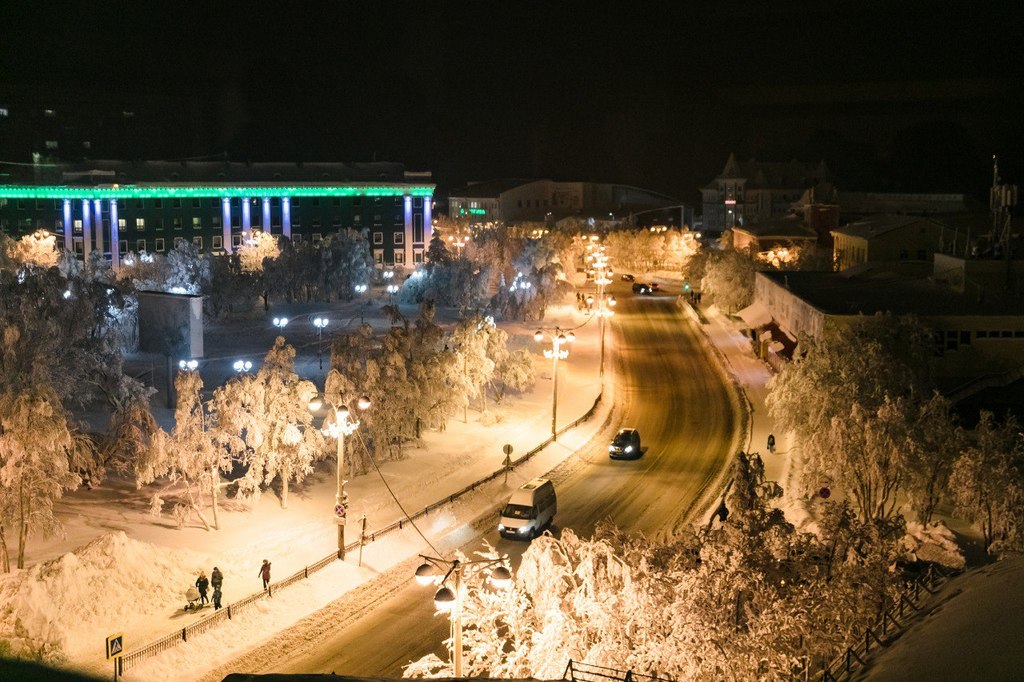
(459,242)
(280,322)
(242,366)
(360,288)
(449,599)
(344,424)
(559,351)
(392,289)
(320,323)
(189,365)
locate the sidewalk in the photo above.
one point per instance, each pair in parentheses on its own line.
(752,375)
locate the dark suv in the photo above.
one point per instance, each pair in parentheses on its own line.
(625,445)
(641,288)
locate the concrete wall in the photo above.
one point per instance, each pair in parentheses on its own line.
(171,323)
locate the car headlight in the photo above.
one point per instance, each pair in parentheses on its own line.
(524,530)
(501,527)
(611,448)
(629,448)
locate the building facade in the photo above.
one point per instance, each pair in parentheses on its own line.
(108,210)
(900,239)
(756,191)
(517,200)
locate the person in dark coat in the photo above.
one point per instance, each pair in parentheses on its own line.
(202,584)
(216,578)
(771,442)
(265,573)
(216,597)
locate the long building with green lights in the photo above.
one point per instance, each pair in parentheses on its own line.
(114,208)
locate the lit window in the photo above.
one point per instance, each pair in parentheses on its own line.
(49,113)
(197,222)
(121,223)
(51,144)
(86,144)
(4,112)
(140,223)
(399,257)
(128,114)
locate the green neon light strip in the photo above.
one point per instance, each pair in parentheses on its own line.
(200,191)
(478,211)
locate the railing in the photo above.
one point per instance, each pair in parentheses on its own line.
(847,662)
(587,672)
(136,656)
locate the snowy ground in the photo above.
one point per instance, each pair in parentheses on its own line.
(129,570)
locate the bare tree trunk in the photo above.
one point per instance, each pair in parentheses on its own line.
(5,559)
(195,508)
(214,483)
(23,512)
(285,475)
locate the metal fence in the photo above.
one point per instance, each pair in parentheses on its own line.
(586,672)
(132,658)
(889,627)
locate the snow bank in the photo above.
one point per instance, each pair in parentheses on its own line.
(934,543)
(62,608)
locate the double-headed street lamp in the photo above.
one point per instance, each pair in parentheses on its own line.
(559,351)
(320,323)
(392,289)
(449,599)
(280,322)
(344,424)
(242,366)
(459,242)
(188,365)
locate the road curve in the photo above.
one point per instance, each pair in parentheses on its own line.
(668,388)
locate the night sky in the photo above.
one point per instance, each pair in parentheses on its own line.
(911,96)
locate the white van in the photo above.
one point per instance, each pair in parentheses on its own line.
(529,511)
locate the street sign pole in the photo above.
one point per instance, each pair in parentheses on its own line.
(508,460)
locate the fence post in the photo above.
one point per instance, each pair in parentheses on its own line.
(229,611)
(184,635)
(362,539)
(568,670)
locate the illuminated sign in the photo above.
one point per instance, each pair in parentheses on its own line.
(478,211)
(730,202)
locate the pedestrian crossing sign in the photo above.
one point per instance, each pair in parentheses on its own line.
(115,645)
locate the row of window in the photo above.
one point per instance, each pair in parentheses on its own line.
(215,202)
(197,222)
(217,243)
(953,339)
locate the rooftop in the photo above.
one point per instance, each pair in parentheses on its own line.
(869,292)
(787,227)
(883,224)
(489,189)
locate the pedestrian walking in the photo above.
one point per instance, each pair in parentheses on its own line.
(265,573)
(771,443)
(202,584)
(216,578)
(216,598)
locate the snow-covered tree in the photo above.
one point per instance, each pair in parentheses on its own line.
(933,446)
(838,384)
(188,271)
(36,250)
(39,456)
(470,339)
(513,369)
(729,278)
(256,249)
(987,483)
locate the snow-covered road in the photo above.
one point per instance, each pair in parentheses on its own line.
(667,386)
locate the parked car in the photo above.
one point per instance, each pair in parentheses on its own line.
(529,511)
(628,278)
(641,288)
(654,286)
(625,445)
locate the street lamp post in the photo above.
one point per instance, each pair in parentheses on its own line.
(320,323)
(449,599)
(392,289)
(559,351)
(343,425)
(242,366)
(281,322)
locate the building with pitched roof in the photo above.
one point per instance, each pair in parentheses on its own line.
(747,191)
(905,240)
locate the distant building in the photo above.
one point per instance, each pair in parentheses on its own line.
(765,235)
(514,200)
(754,190)
(115,207)
(903,239)
(974,335)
